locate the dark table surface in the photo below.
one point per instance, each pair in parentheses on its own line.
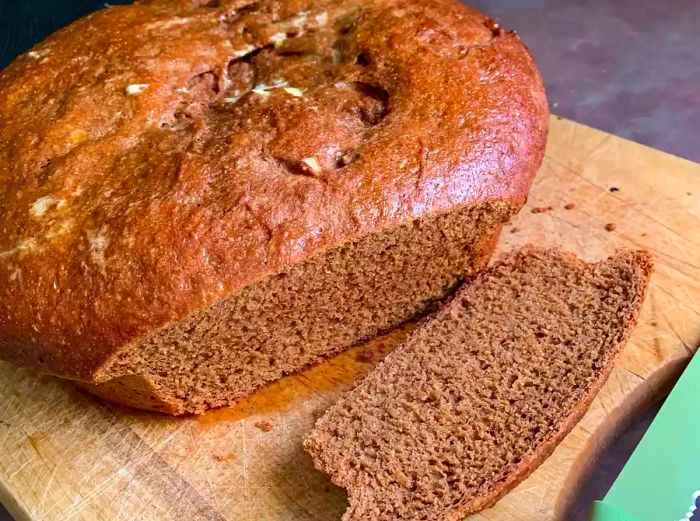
(629,67)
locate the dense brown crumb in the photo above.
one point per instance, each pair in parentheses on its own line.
(514,229)
(569,206)
(223,457)
(482,391)
(614,189)
(542,209)
(610,227)
(306,313)
(264,425)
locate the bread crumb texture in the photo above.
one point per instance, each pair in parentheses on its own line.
(483,390)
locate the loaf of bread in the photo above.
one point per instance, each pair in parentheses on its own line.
(480,393)
(197,197)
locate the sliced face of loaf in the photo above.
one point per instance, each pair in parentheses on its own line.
(306,313)
(483,390)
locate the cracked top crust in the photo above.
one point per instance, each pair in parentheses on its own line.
(157,157)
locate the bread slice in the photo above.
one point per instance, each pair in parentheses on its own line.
(483,391)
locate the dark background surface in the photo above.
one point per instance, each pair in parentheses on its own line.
(630,67)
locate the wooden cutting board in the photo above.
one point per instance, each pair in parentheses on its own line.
(66,456)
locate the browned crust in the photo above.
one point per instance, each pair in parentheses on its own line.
(150,220)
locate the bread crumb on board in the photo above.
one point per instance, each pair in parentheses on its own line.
(264,425)
(223,457)
(569,206)
(610,227)
(542,209)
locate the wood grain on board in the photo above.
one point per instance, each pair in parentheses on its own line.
(65,456)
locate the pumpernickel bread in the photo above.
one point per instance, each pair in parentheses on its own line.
(197,197)
(480,393)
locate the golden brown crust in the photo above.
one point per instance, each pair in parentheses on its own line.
(141,179)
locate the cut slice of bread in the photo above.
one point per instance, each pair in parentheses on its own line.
(482,391)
